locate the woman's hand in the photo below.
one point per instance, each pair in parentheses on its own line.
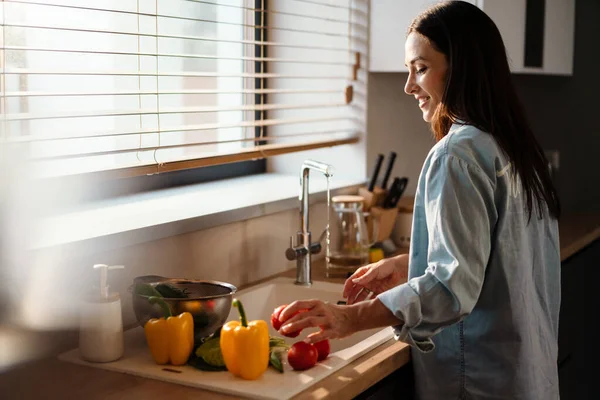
(376,278)
(335,321)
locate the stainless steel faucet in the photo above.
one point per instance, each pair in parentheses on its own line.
(304,247)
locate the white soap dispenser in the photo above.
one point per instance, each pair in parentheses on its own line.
(101,324)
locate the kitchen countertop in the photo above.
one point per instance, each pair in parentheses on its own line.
(51,378)
(577,231)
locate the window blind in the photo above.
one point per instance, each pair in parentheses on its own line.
(130,87)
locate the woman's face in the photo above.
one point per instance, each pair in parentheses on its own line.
(427,69)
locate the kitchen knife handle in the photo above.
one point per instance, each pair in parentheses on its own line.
(388,169)
(375,172)
(396,191)
(401,187)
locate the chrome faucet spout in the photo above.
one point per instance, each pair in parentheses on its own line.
(326,170)
(304,247)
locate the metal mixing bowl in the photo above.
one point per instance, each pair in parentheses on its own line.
(209,302)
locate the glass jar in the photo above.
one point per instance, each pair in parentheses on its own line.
(349,241)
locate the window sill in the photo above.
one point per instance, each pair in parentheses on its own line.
(151,216)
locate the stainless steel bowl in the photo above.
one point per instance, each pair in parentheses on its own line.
(209,302)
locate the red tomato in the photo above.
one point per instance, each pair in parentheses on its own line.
(275,317)
(302,356)
(277,324)
(323,348)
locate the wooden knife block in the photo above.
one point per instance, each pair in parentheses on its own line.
(385,219)
(372,199)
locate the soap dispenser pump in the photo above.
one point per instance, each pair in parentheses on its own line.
(101,324)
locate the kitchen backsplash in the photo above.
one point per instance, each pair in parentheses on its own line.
(238,253)
(395,123)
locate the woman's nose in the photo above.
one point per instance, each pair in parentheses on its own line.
(410,87)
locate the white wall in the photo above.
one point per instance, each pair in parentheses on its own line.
(395,123)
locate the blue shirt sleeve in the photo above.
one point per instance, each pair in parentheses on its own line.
(460,216)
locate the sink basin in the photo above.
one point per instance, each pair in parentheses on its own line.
(260,301)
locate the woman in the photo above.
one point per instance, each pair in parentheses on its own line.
(480,309)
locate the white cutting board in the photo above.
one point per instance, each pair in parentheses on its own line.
(272,385)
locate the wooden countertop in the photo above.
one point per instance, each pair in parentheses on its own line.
(53,379)
(577,231)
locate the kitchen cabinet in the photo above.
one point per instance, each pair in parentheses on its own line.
(389,21)
(575,324)
(538,34)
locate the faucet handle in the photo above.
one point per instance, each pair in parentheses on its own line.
(293,252)
(315,248)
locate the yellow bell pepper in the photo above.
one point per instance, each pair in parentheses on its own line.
(170,339)
(245,345)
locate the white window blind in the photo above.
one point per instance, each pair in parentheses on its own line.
(131,87)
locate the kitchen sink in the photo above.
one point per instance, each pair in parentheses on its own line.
(259,302)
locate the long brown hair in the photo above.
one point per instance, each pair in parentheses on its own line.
(479,91)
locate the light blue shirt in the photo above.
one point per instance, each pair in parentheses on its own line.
(481,306)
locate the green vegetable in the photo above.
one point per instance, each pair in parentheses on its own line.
(172,292)
(275,358)
(275,341)
(278,347)
(145,289)
(210,352)
(208,356)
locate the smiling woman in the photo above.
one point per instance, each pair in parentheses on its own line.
(427,70)
(480,309)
